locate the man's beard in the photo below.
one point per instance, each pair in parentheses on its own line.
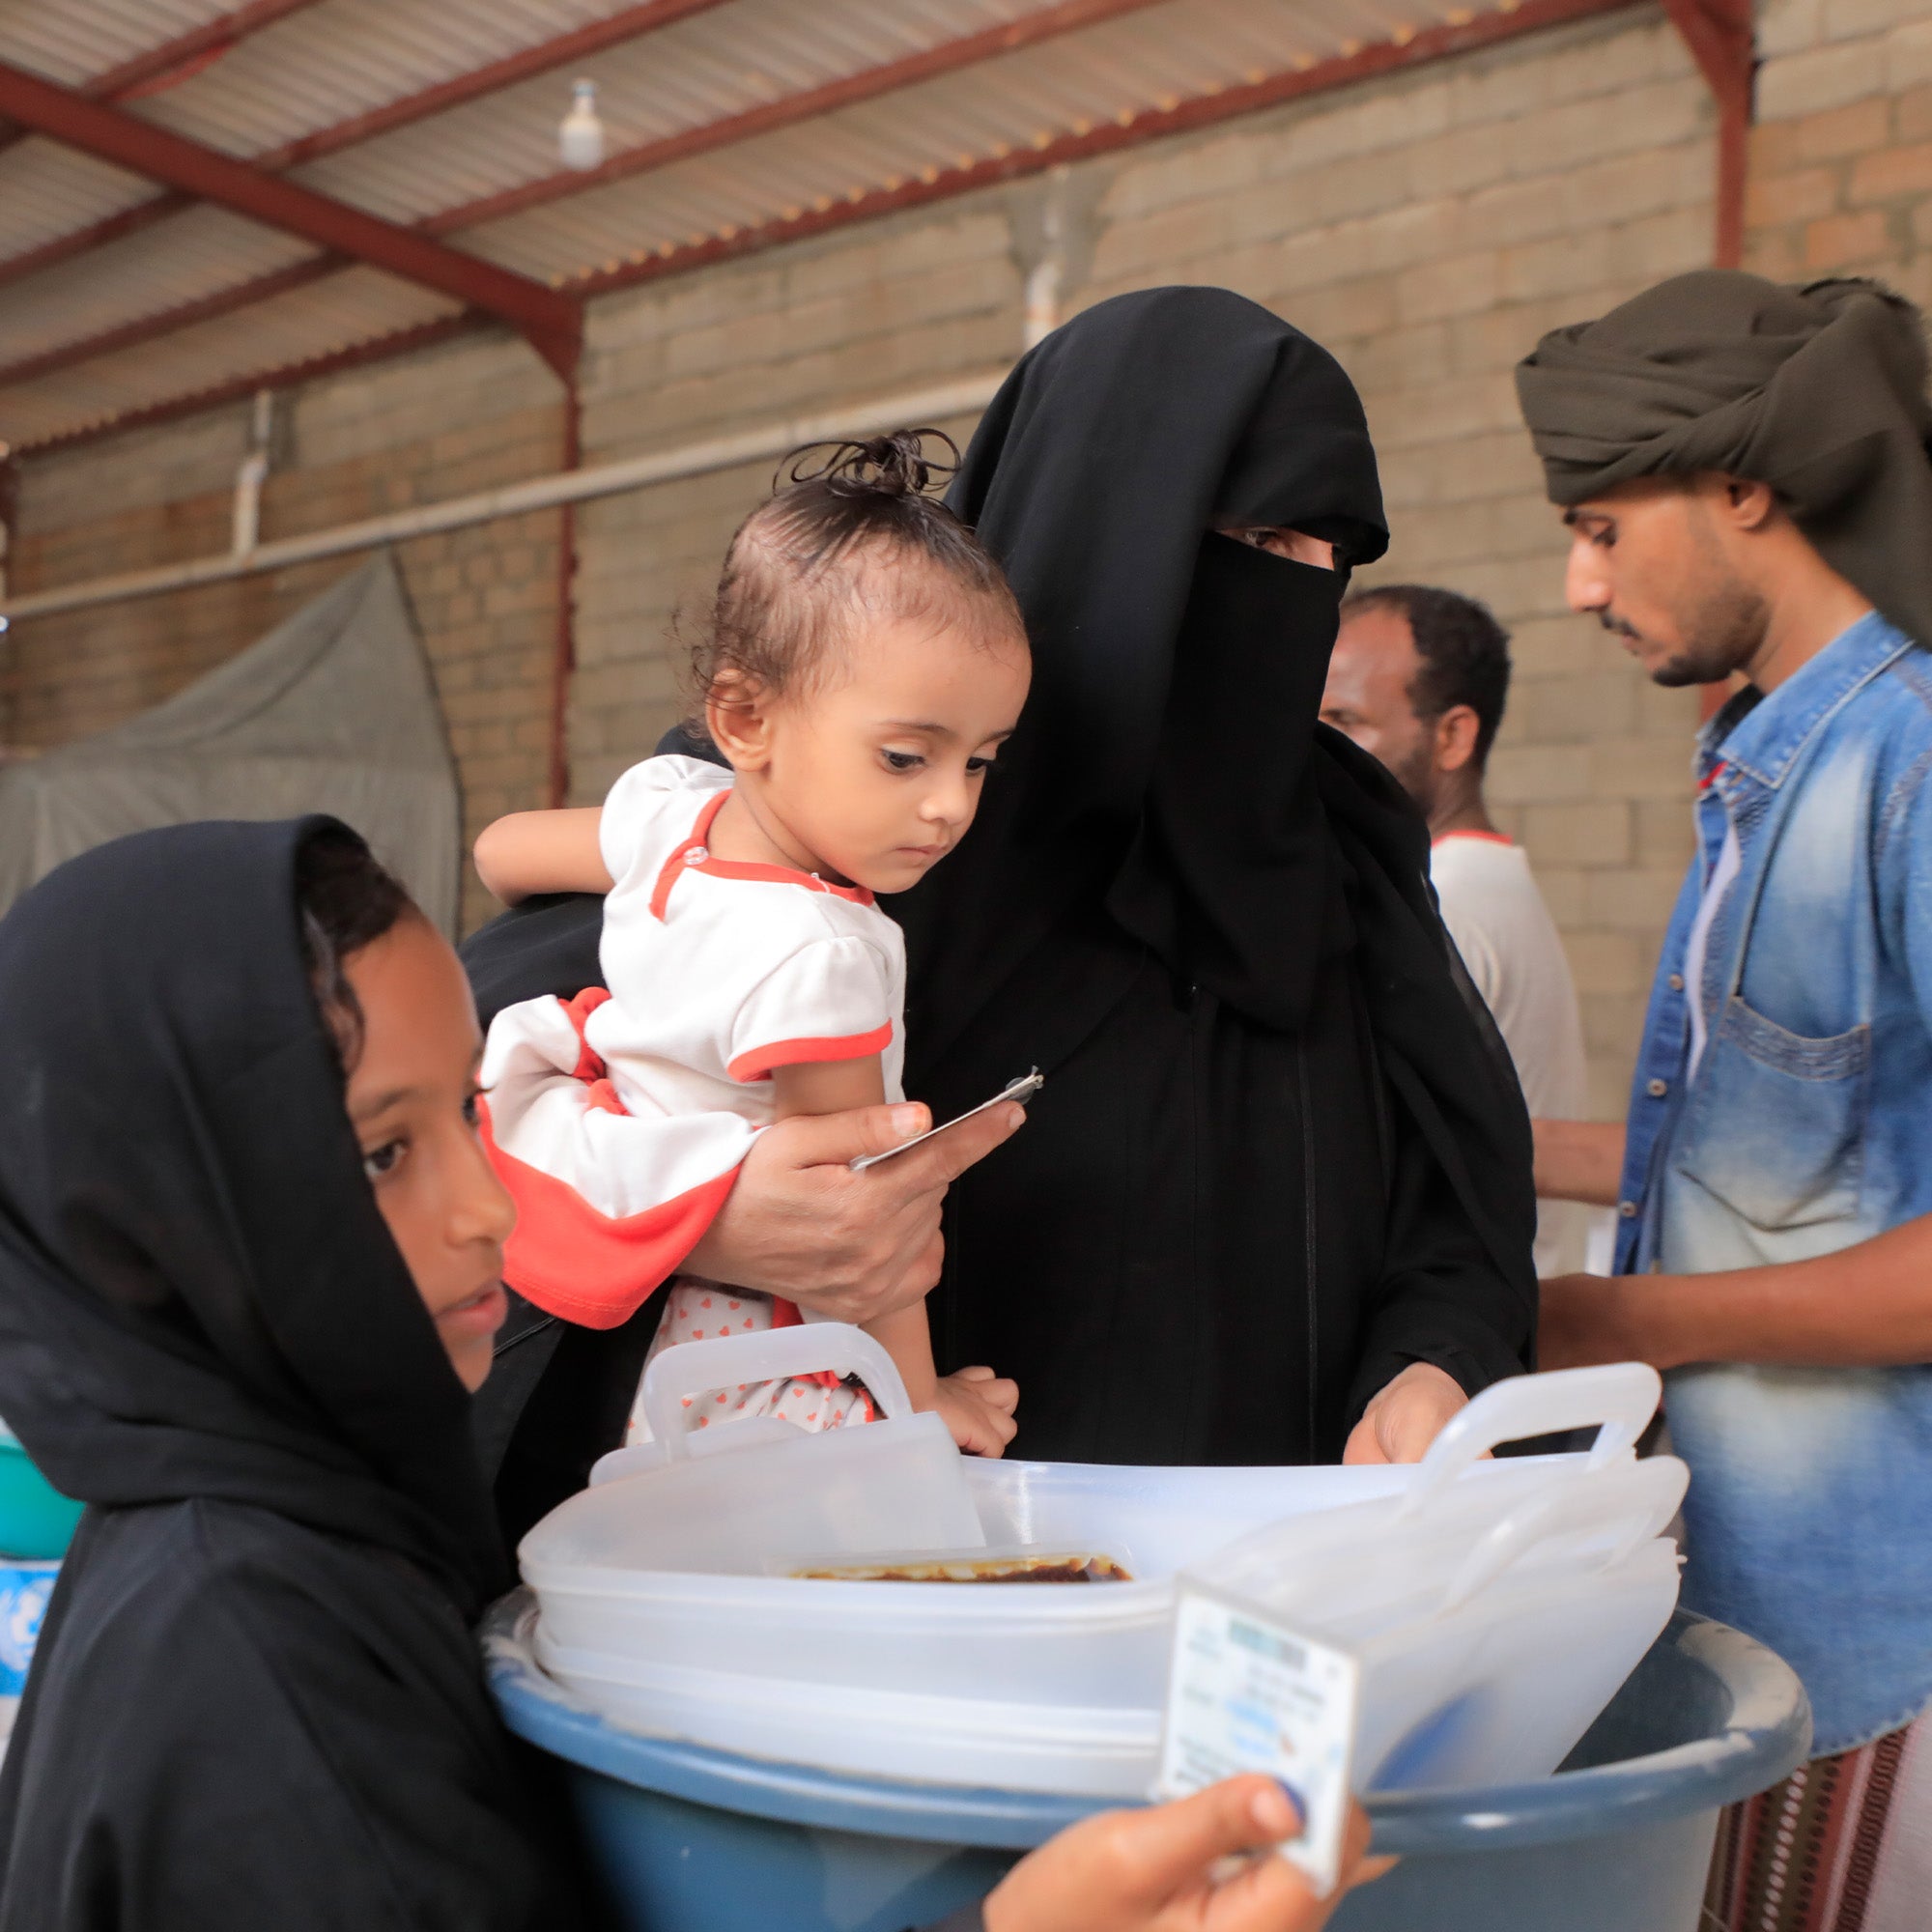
(1722,629)
(1416,775)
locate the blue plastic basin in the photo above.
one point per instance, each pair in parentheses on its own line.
(694,1840)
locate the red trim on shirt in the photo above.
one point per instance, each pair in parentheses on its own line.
(757,1062)
(1486,837)
(695,856)
(578,1012)
(594,1269)
(675,867)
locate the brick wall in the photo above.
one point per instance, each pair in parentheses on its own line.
(1842,156)
(454,420)
(1426,227)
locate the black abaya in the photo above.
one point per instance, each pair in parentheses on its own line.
(1280,1156)
(256,1700)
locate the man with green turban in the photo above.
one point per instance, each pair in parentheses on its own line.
(1744,473)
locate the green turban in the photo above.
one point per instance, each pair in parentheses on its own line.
(1818,391)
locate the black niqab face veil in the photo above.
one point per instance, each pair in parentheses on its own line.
(198,1296)
(1164,761)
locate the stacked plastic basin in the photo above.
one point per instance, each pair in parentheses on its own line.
(1496,1605)
(752,1747)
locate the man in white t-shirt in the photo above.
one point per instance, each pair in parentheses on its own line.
(1419,678)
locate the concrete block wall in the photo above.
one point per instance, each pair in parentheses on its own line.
(1841,155)
(1428,230)
(457,419)
(889,308)
(1427,226)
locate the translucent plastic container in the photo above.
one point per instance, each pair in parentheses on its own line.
(764,1487)
(1482,1584)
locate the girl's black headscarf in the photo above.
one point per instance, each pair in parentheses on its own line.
(198,1296)
(1171,766)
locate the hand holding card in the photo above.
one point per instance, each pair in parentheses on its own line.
(1155,1870)
(1021,1089)
(1245,1694)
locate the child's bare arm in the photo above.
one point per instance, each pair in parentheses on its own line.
(976,1404)
(542,852)
(826,1085)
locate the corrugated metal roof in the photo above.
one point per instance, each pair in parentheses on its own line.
(335,60)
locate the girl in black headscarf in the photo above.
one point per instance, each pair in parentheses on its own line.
(249,1247)
(256,1701)
(1281,1158)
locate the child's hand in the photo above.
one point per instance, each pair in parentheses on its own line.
(978,1407)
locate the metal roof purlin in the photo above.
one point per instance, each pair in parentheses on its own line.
(211,38)
(1201,111)
(630,24)
(868,84)
(239,389)
(633,23)
(552,322)
(143,328)
(1010,37)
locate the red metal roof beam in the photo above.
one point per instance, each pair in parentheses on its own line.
(1722,37)
(159,66)
(553,324)
(868,84)
(565,50)
(525,64)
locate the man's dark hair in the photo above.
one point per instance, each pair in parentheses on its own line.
(1463,652)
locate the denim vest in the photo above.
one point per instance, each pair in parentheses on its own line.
(1807,1127)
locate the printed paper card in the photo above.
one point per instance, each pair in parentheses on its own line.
(1247,1693)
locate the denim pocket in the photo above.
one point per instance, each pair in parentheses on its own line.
(1776,1127)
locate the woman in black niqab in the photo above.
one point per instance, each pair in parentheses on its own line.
(1281,1155)
(256,1700)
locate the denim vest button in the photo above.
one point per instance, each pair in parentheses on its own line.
(1677,982)
(1628,1209)
(1658,1089)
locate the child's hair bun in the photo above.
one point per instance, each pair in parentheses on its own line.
(893,465)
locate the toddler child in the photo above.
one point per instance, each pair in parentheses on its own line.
(865,661)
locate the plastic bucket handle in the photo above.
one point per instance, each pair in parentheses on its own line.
(1644,1497)
(769,1354)
(1621,1396)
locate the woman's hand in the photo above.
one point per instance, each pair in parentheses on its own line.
(1150,1871)
(798,1222)
(978,1407)
(1405,1416)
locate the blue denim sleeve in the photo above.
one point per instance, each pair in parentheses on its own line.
(1903,854)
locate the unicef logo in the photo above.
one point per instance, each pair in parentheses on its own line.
(23,1603)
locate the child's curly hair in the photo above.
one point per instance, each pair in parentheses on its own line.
(808,561)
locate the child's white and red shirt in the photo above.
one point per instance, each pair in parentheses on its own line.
(619,1119)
